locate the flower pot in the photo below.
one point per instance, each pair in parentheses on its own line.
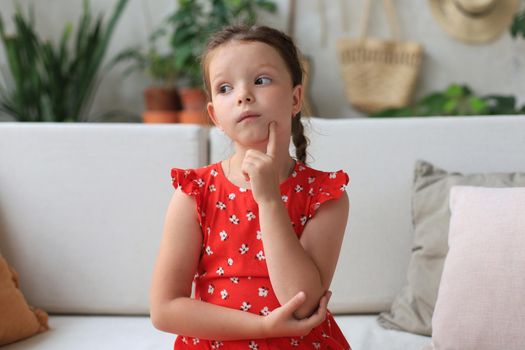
(194,102)
(163,105)
(160,117)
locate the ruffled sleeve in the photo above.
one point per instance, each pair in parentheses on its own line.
(331,186)
(188,181)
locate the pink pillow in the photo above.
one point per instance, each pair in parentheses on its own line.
(481,298)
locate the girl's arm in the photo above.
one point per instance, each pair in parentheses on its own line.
(307,264)
(172,309)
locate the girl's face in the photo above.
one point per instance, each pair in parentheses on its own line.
(250,87)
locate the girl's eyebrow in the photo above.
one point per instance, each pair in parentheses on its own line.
(216,78)
(268,65)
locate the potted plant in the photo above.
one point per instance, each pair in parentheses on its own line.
(517,27)
(456,100)
(53,83)
(191,25)
(162,98)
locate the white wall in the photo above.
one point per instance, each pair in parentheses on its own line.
(493,68)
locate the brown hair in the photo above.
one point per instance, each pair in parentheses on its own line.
(286,49)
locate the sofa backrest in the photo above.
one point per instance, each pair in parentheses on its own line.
(82,205)
(379,156)
(82,208)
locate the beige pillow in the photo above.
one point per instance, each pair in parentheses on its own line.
(17,319)
(481,304)
(413,308)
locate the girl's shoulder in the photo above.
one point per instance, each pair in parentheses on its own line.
(321,185)
(192,180)
(327,177)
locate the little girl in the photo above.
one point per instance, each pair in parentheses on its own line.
(251,231)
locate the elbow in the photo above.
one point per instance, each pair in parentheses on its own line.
(308,308)
(311,303)
(164,316)
(157,318)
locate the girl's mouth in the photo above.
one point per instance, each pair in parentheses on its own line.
(248,116)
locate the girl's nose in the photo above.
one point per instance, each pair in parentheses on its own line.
(245,97)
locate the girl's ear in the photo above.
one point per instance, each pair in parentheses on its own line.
(211,113)
(297,99)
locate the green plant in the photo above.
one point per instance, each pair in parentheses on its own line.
(518,25)
(161,67)
(50,82)
(456,100)
(195,20)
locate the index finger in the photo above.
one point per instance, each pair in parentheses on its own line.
(271,148)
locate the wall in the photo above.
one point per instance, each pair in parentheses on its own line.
(493,68)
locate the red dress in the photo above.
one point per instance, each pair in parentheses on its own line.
(232,270)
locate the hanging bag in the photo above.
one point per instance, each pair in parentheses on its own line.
(379,74)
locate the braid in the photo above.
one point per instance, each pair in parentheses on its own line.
(299,140)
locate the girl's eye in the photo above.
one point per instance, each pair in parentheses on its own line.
(263,81)
(224,88)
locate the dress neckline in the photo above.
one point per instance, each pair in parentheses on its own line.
(220,170)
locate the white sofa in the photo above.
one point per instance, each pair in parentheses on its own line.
(82,208)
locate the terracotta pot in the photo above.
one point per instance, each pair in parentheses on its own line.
(163,105)
(160,116)
(162,99)
(194,102)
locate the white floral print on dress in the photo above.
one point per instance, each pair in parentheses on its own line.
(264,311)
(224,294)
(234,219)
(263,292)
(250,216)
(260,256)
(216,344)
(245,306)
(244,248)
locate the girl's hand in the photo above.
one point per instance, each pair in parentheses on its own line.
(281,322)
(259,168)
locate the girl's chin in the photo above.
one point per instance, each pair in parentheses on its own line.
(253,137)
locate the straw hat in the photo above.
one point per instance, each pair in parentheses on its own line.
(474,21)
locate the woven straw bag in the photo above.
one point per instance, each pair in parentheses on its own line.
(379,74)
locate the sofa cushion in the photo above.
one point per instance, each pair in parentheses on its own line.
(18,320)
(97,332)
(478,305)
(110,333)
(82,207)
(412,310)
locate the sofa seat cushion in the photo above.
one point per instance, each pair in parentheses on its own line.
(137,332)
(97,332)
(364,333)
